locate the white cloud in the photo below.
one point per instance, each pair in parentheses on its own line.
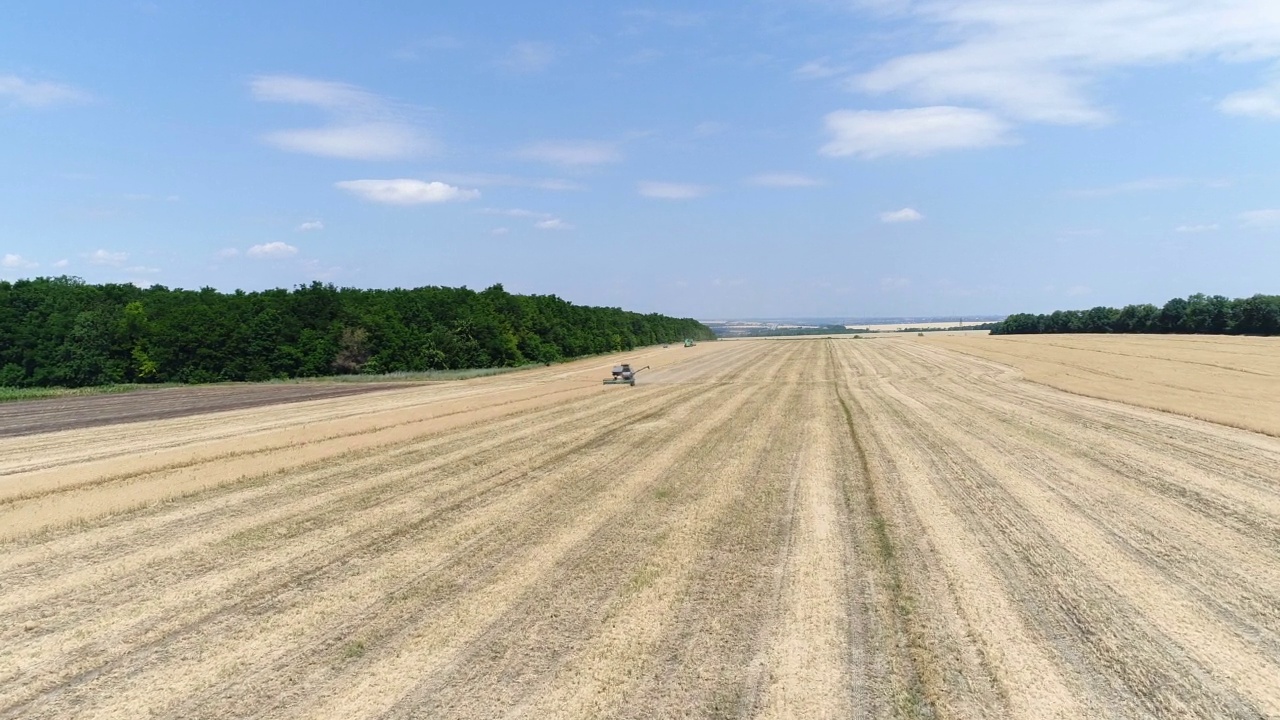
(227,253)
(11,260)
(502,180)
(643,57)
(62,263)
(311,225)
(1263,103)
(1135,186)
(272,251)
(1078,290)
(782,180)
(1196,228)
(891,284)
(363,126)
(572,152)
(670,18)
(367,141)
(553,224)
(499,231)
(405,191)
(1036,61)
(317,271)
(516,212)
(528,57)
(817,70)
(914,132)
(142,270)
(671,191)
(901,216)
(106,257)
(422,48)
(1260,218)
(37,94)
(709,128)
(318,93)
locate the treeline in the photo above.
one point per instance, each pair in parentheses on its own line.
(64,332)
(1202,314)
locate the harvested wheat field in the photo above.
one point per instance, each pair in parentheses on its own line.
(798,528)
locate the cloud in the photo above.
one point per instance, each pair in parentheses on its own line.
(1037,61)
(782,180)
(1078,290)
(1196,228)
(369,141)
(709,128)
(543,221)
(226,253)
(913,132)
(671,191)
(310,226)
(142,270)
(363,126)
(1134,186)
(528,57)
(62,263)
(1259,218)
(572,152)
(106,257)
(417,50)
(37,94)
(316,271)
(901,216)
(1262,103)
(499,231)
(492,179)
(516,212)
(16,262)
(272,251)
(891,284)
(317,93)
(405,191)
(643,57)
(817,70)
(670,18)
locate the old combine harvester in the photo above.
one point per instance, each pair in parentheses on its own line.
(624,375)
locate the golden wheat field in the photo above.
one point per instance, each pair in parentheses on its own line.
(968,527)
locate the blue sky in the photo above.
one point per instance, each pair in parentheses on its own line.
(726,159)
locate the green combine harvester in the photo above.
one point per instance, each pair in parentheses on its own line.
(624,375)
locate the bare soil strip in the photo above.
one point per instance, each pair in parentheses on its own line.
(33,417)
(784,528)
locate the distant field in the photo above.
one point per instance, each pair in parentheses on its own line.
(894,527)
(905,326)
(1230,380)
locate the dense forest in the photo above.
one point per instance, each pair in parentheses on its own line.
(1202,314)
(64,332)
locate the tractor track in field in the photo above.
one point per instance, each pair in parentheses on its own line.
(763,529)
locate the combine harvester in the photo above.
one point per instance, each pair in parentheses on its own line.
(624,375)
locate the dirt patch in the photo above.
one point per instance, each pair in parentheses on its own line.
(32,417)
